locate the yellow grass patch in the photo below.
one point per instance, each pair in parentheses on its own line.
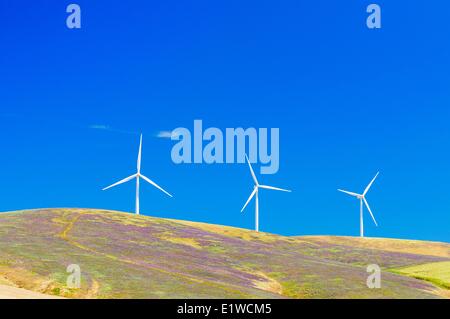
(182,241)
(393,245)
(127,219)
(24,279)
(268,284)
(243,234)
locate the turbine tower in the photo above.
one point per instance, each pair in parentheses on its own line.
(138,176)
(362,199)
(255,194)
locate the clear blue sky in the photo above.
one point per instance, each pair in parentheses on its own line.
(349,101)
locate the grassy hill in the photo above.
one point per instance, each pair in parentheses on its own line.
(127,256)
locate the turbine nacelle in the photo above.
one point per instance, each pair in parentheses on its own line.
(362,198)
(138,176)
(255,193)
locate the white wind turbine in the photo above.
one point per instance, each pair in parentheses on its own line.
(362,198)
(255,194)
(137,176)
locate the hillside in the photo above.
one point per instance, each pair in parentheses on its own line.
(127,256)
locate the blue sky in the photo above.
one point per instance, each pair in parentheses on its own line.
(349,101)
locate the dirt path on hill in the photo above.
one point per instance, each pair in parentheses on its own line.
(8,292)
(95,286)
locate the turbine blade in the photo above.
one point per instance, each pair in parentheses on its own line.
(275,188)
(249,199)
(370,185)
(370,211)
(121,182)
(139,157)
(148,180)
(349,193)
(251,170)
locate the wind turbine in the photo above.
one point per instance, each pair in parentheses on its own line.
(362,198)
(138,176)
(255,194)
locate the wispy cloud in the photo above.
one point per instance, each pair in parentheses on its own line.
(166,134)
(100,127)
(104,127)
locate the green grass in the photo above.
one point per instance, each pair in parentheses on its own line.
(436,273)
